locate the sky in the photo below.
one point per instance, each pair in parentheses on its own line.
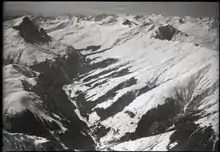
(194,9)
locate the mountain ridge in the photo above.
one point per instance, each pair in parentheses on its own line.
(115,77)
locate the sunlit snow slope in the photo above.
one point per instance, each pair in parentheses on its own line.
(146,74)
(145,82)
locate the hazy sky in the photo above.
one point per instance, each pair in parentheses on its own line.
(195,9)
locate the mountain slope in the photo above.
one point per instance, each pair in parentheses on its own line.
(179,69)
(139,82)
(33,94)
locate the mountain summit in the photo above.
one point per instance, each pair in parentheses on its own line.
(31,33)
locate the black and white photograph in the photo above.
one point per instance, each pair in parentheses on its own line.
(110,76)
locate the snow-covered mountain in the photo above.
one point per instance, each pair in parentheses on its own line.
(34,102)
(112,82)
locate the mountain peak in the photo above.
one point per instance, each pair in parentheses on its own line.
(31,32)
(166,32)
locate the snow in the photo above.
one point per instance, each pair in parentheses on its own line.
(17,99)
(40,141)
(93,117)
(101,90)
(177,75)
(152,143)
(166,66)
(20,136)
(73,88)
(172,145)
(58,117)
(171,65)
(18,21)
(16,102)
(210,106)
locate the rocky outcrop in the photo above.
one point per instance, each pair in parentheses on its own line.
(181,21)
(166,32)
(127,22)
(190,136)
(30,32)
(157,120)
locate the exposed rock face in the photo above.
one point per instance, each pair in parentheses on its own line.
(190,136)
(166,32)
(157,120)
(127,22)
(181,21)
(59,70)
(27,44)
(30,32)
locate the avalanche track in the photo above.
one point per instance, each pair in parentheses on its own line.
(144,82)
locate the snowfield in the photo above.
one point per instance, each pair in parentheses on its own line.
(140,77)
